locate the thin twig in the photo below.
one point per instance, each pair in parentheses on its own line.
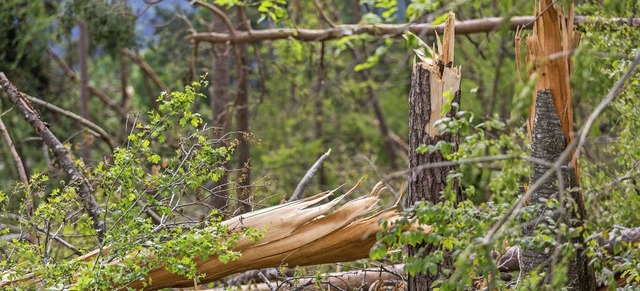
(14,154)
(146,68)
(308,176)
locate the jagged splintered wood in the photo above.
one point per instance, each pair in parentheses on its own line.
(433,82)
(299,233)
(550,125)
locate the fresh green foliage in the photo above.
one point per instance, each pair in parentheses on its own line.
(129,186)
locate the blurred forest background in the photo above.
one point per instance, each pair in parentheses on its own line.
(275,106)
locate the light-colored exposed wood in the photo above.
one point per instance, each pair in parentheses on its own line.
(304,232)
(444,78)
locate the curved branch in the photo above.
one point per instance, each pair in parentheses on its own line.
(220,13)
(461,28)
(308,176)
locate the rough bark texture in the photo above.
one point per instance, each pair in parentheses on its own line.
(219,99)
(62,154)
(548,142)
(425,185)
(551,129)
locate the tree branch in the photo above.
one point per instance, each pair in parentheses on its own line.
(87,123)
(308,176)
(31,115)
(146,69)
(461,28)
(16,157)
(93,90)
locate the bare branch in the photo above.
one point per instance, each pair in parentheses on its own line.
(31,115)
(308,176)
(87,123)
(461,28)
(146,69)
(603,104)
(14,154)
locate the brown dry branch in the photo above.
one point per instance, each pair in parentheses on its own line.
(22,173)
(106,137)
(387,30)
(85,194)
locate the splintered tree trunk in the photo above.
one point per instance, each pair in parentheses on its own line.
(551,130)
(430,79)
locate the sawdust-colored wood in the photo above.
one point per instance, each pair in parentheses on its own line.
(300,233)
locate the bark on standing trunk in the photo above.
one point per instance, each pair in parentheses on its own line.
(551,130)
(430,80)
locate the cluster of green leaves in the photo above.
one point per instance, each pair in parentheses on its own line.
(146,175)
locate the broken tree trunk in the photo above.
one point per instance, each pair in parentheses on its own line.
(430,81)
(299,233)
(551,130)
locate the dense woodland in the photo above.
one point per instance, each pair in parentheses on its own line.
(148,134)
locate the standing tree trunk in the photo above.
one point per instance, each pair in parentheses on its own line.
(219,99)
(431,78)
(242,119)
(551,130)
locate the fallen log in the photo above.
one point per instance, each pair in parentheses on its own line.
(299,233)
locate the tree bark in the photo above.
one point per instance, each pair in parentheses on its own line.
(42,129)
(428,83)
(551,130)
(219,99)
(243,188)
(463,27)
(548,142)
